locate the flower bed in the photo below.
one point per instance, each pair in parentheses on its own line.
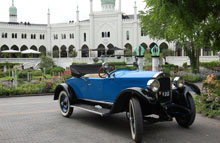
(45,86)
(208,103)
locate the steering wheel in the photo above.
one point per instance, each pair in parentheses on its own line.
(105,70)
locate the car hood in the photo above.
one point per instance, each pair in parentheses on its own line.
(133,74)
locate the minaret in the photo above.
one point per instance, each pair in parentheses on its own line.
(48,17)
(77,14)
(91,6)
(13,13)
(49,43)
(78,31)
(136,39)
(135,11)
(119,5)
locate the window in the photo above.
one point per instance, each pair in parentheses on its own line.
(41,36)
(84,37)
(71,36)
(24,36)
(6,35)
(63,36)
(55,36)
(143,33)
(3,35)
(127,35)
(16,35)
(12,35)
(105,34)
(33,36)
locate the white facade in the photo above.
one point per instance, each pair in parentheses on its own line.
(103,30)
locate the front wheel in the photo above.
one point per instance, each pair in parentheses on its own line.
(136,119)
(64,103)
(187,120)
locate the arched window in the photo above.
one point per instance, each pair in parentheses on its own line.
(127,35)
(84,37)
(108,34)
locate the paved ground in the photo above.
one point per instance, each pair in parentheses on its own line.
(37,120)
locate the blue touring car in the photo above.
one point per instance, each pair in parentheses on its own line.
(142,95)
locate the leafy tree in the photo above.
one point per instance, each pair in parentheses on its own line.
(192,23)
(46,62)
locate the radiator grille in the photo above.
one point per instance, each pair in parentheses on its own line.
(164,94)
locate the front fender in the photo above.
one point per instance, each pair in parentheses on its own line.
(191,87)
(122,100)
(70,92)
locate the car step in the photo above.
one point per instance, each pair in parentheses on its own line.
(97,109)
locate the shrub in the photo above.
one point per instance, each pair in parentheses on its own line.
(67,77)
(185,65)
(3,74)
(36,73)
(23,74)
(55,70)
(210,65)
(46,62)
(192,78)
(208,103)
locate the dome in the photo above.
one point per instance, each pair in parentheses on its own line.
(12,10)
(108,2)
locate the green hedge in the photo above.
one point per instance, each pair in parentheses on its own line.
(55,70)
(192,78)
(210,65)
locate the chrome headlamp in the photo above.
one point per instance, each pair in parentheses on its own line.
(178,82)
(153,85)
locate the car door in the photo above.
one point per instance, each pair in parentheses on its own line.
(95,89)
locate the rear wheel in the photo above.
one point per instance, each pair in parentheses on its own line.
(136,119)
(64,103)
(187,120)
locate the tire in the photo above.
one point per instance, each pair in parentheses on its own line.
(135,119)
(186,121)
(64,104)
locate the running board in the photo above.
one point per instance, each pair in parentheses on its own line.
(97,109)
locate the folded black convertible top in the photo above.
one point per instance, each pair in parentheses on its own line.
(81,70)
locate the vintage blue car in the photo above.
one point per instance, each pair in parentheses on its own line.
(142,95)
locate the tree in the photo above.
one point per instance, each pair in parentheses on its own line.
(46,62)
(192,23)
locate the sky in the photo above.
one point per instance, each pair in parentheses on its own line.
(62,11)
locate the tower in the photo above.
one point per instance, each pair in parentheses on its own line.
(13,13)
(108,5)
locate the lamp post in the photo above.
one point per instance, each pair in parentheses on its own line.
(140,55)
(155,58)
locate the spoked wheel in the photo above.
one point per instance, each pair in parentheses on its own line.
(136,119)
(64,102)
(187,120)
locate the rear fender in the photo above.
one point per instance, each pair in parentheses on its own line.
(122,100)
(68,89)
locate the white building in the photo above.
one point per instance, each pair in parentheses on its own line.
(90,38)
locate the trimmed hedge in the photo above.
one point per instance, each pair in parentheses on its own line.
(210,65)
(55,70)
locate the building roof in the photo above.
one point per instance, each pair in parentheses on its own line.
(108,2)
